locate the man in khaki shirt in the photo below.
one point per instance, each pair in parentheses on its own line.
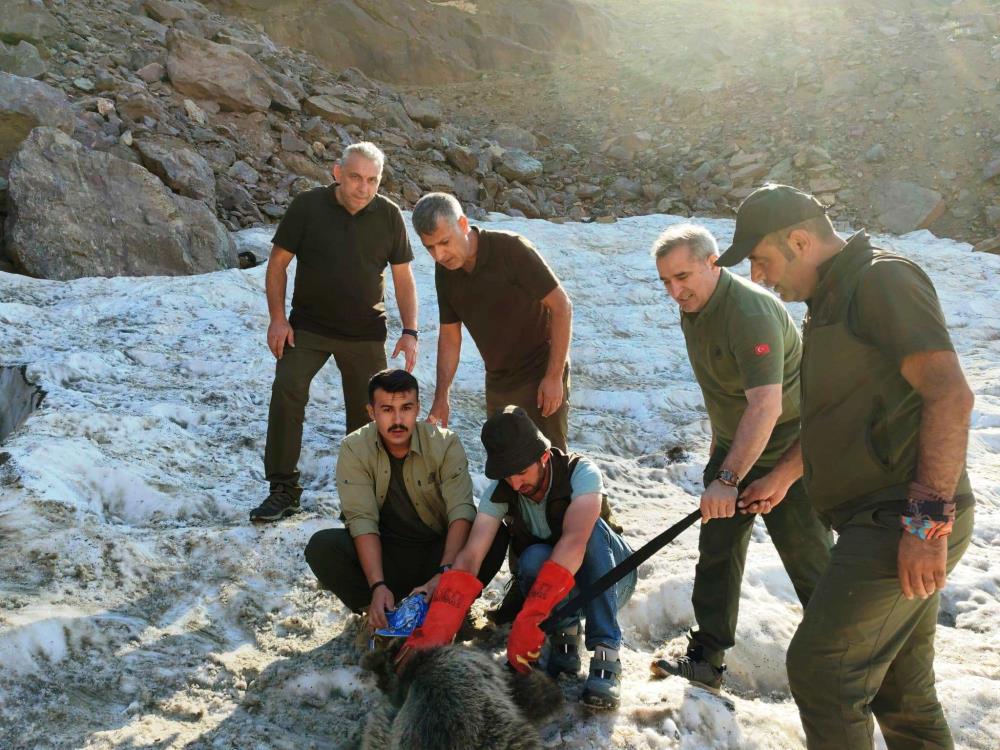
(406,499)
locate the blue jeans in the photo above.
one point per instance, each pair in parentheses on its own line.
(605,549)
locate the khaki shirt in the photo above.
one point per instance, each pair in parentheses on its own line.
(436,474)
(744,338)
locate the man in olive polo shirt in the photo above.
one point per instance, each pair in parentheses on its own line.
(885,420)
(745,352)
(406,497)
(343,236)
(498,285)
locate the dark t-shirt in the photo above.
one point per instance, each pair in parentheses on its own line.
(339,278)
(398,519)
(500,302)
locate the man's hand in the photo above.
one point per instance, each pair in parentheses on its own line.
(382,601)
(763,495)
(550,395)
(440,410)
(718,501)
(277,334)
(409,346)
(921,565)
(428,588)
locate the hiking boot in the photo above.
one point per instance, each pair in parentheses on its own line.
(283,501)
(692,667)
(512,602)
(564,654)
(602,690)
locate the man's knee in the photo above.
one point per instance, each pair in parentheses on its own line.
(290,385)
(531,561)
(326,549)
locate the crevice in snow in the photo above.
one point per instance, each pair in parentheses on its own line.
(19,397)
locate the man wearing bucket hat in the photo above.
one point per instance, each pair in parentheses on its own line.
(885,417)
(563,531)
(744,349)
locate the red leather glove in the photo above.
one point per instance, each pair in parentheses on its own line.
(524,645)
(455,593)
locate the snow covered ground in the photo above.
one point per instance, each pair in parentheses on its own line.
(139,609)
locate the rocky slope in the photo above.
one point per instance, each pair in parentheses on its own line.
(590,113)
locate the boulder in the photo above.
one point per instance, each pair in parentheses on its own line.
(152,72)
(425,111)
(435,178)
(394,115)
(234,197)
(163,11)
(512,136)
(206,70)
(182,169)
(338,111)
(462,158)
(76,212)
(28,21)
(21,60)
(26,104)
(243,172)
(515,164)
(905,206)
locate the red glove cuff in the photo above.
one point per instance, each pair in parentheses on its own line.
(455,593)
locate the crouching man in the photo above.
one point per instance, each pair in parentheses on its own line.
(406,498)
(562,530)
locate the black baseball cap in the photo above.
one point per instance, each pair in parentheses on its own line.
(512,442)
(767,209)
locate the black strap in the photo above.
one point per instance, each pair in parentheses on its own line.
(584,596)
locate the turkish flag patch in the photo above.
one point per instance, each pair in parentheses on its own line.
(761,349)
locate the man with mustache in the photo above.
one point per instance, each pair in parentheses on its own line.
(744,350)
(406,498)
(343,237)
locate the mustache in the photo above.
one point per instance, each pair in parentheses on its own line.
(399,428)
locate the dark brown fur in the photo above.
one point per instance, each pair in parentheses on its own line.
(456,697)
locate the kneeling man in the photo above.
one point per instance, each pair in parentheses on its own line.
(406,498)
(563,532)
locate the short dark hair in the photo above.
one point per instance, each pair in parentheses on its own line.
(392,381)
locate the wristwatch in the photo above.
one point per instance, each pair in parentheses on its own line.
(728,478)
(411,332)
(444,568)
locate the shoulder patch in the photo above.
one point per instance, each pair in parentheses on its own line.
(761,349)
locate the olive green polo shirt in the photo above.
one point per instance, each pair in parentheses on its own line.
(340,273)
(435,476)
(744,338)
(500,303)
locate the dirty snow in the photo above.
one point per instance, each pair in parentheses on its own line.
(139,609)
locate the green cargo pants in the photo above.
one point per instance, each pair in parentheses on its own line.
(863,649)
(554,427)
(293,374)
(802,541)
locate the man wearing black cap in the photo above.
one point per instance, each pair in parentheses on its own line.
(885,418)
(745,350)
(563,531)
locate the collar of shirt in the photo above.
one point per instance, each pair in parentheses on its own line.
(482,251)
(858,239)
(720,292)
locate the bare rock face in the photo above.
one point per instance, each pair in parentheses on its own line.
(338,111)
(22,19)
(227,75)
(21,59)
(905,206)
(74,212)
(26,104)
(181,168)
(518,165)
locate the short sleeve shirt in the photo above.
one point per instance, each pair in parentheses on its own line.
(340,273)
(500,303)
(586,479)
(744,338)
